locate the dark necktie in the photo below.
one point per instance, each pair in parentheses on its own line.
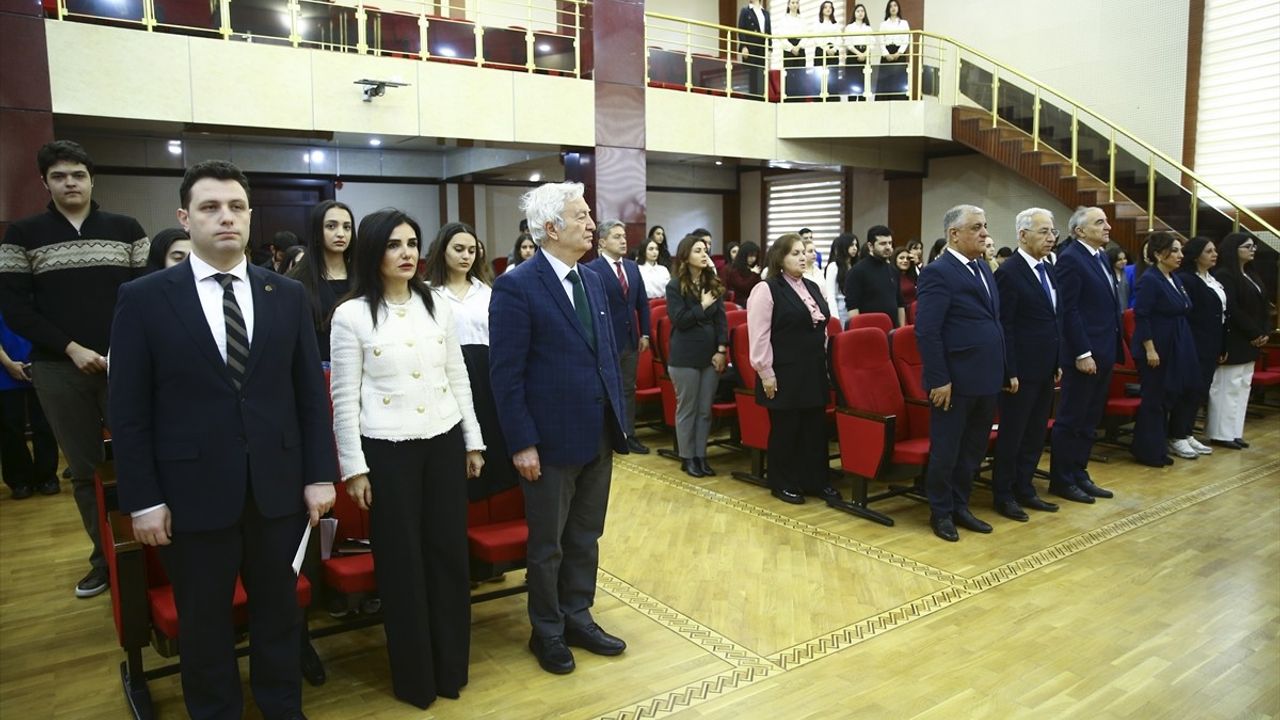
(581,308)
(237,335)
(977,275)
(1110,276)
(622,278)
(1044,282)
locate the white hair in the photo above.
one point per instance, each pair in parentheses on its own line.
(606,227)
(1024,219)
(545,204)
(955,214)
(1077,219)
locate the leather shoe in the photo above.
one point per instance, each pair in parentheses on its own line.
(944,528)
(1088,486)
(1073,493)
(553,655)
(21,492)
(706,469)
(636,446)
(594,639)
(966,520)
(1011,510)
(691,467)
(312,668)
(788,496)
(1035,503)
(1241,442)
(830,494)
(1232,444)
(49,487)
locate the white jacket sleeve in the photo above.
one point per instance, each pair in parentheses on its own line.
(346,372)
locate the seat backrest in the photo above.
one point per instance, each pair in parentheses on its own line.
(911,312)
(833,327)
(1130,323)
(740,346)
(501,507)
(907,362)
(662,337)
(353,523)
(655,303)
(734,318)
(645,377)
(860,358)
(730,306)
(871,320)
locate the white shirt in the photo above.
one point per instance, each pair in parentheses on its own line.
(833,38)
(562,271)
(789,26)
(759,11)
(470,312)
(852,39)
(902,41)
(832,291)
(1217,289)
(210,293)
(969,267)
(1053,293)
(655,278)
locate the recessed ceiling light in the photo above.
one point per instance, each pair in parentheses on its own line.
(718,162)
(544,47)
(317,156)
(535,177)
(175,147)
(375,142)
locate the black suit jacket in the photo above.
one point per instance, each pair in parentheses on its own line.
(1246,316)
(183,434)
(1091,314)
(958,328)
(747,21)
(1032,326)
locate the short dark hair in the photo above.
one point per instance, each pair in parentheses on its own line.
(284,239)
(802,231)
(878,231)
(701,232)
(216,169)
(1159,243)
(1004,252)
(58,151)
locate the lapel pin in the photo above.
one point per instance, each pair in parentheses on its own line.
(268,288)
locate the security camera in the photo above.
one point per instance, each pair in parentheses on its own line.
(377,88)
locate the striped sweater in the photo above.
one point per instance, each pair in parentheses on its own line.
(58,285)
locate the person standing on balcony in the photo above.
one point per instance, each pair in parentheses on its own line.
(59,274)
(894,51)
(857,52)
(872,285)
(751,48)
(826,49)
(1091,345)
(790,51)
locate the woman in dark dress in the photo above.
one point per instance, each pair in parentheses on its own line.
(325,263)
(787,330)
(744,272)
(1207,318)
(1247,330)
(1165,354)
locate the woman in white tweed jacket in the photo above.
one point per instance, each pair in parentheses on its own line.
(407,442)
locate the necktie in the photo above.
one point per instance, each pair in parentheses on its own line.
(581,308)
(237,336)
(622,277)
(1110,276)
(1044,282)
(977,275)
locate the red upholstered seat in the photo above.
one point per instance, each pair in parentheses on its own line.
(734,318)
(879,321)
(500,542)
(164,612)
(914,451)
(907,362)
(350,573)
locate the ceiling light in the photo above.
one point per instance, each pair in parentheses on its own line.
(718,162)
(544,47)
(317,156)
(448,52)
(175,147)
(375,142)
(535,177)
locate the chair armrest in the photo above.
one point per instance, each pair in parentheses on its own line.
(866,441)
(129,583)
(918,412)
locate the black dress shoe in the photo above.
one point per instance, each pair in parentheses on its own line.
(1241,442)
(1073,493)
(1011,510)
(1168,460)
(788,496)
(49,487)
(1036,503)
(1088,486)
(21,492)
(691,467)
(707,470)
(593,638)
(830,494)
(312,668)
(966,520)
(944,528)
(636,446)
(1232,444)
(553,655)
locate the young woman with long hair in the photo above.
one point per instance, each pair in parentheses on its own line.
(325,264)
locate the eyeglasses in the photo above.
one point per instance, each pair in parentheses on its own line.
(1048,231)
(1247,246)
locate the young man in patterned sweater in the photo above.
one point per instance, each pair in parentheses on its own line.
(59,273)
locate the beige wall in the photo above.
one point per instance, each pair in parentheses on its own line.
(975,180)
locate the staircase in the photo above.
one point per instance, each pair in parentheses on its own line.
(1014,148)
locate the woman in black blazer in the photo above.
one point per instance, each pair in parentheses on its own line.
(1207,318)
(325,263)
(787,328)
(697,352)
(1247,330)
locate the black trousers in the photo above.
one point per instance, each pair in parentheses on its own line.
(18,464)
(419,537)
(957,442)
(202,567)
(798,449)
(1080,409)
(1023,416)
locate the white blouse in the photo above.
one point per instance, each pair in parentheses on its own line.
(786,26)
(902,41)
(656,278)
(470,312)
(855,38)
(403,380)
(1217,289)
(831,36)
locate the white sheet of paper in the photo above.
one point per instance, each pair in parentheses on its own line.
(302,550)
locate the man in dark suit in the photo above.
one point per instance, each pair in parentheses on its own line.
(1091,345)
(223,444)
(751,48)
(962,346)
(629,313)
(1032,322)
(554,372)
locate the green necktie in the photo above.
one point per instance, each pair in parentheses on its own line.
(581,307)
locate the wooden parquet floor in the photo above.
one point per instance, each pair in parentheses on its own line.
(1161,603)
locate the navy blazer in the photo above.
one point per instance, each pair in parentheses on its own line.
(1091,314)
(958,328)
(747,21)
(1207,318)
(549,386)
(184,436)
(1032,325)
(629,313)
